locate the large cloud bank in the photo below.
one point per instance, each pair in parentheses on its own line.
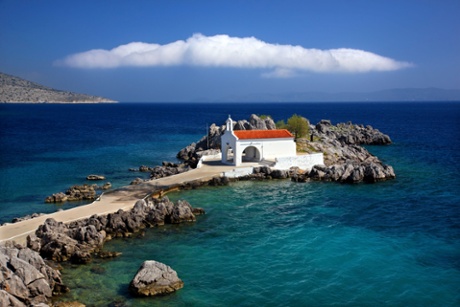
(236,52)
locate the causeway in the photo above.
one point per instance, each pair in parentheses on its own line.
(122,198)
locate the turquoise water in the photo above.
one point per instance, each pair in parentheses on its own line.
(282,243)
(273,243)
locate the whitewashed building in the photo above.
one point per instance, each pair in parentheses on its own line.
(255,145)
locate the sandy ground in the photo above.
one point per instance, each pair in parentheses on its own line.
(123,198)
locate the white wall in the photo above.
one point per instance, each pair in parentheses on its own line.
(239,172)
(230,138)
(268,148)
(215,157)
(302,161)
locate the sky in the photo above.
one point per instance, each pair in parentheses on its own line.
(175,51)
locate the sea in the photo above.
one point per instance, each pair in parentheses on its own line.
(269,243)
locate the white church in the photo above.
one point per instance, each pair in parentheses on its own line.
(242,146)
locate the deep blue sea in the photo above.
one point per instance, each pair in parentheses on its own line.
(273,243)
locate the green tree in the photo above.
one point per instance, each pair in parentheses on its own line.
(298,125)
(281,124)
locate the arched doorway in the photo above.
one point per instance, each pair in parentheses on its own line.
(251,154)
(229,155)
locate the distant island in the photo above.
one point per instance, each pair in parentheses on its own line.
(17,90)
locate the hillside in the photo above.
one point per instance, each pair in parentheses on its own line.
(14,89)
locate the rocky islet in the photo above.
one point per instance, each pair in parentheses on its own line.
(346,161)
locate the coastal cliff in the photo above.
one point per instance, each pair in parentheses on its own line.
(17,90)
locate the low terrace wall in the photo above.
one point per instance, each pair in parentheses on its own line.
(302,161)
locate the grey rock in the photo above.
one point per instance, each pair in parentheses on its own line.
(7,299)
(74,193)
(155,278)
(280,174)
(181,212)
(257,123)
(25,278)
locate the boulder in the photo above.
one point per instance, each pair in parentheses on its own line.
(181,212)
(155,278)
(279,174)
(56,198)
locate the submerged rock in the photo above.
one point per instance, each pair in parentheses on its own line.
(155,278)
(95,177)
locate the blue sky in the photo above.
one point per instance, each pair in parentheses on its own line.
(193,50)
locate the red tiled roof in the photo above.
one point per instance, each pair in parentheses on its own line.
(262,134)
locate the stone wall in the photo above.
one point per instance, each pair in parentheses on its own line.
(305,162)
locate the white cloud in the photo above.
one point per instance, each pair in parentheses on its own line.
(225,51)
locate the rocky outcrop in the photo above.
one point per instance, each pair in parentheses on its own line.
(155,278)
(345,160)
(167,169)
(350,134)
(77,241)
(351,172)
(344,157)
(25,278)
(164,170)
(83,192)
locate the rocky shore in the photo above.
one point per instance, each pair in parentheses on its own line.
(26,280)
(78,241)
(346,161)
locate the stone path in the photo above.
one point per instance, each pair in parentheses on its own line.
(122,198)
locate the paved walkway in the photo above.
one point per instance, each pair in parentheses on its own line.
(122,198)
